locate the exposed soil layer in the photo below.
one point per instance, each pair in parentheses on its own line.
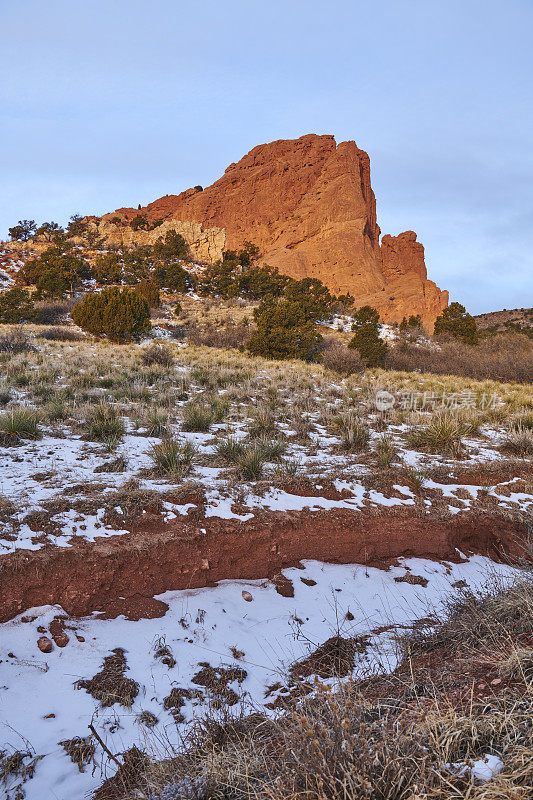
(121,575)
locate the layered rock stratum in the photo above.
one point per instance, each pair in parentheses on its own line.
(309,206)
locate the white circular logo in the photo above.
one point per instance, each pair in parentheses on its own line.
(384,400)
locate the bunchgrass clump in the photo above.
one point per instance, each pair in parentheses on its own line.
(18,424)
(272,450)
(478,619)
(355,435)
(287,468)
(385,451)
(444,434)
(251,463)
(57,410)
(230,449)
(519,442)
(172,457)
(105,425)
(523,421)
(156,422)
(199,416)
(263,423)
(416,477)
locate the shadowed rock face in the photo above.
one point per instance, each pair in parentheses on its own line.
(309,206)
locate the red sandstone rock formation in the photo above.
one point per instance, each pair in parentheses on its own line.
(309,206)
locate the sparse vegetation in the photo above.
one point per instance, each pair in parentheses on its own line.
(427,725)
(289,429)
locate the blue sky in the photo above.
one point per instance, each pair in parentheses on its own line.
(105,104)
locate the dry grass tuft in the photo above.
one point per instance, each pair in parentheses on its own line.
(105,425)
(444,434)
(355,434)
(18,424)
(172,457)
(110,686)
(414,735)
(519,442)
(157,354)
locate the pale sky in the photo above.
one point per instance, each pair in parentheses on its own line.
(114,103)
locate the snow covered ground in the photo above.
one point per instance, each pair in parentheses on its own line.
(238,624)
(63,485)
(36,473)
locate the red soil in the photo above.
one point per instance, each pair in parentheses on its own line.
(121,575)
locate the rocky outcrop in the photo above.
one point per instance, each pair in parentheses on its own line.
(407,285)
(206,244)
(309,206)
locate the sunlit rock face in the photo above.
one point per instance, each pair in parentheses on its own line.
(309,206)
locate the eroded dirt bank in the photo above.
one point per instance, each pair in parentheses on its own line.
(122,574)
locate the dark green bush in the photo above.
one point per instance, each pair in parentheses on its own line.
(77,225)
(139,222)
(139,263)
(50,231)
(119,314)
(260,282)
(227,278)
(284,331)
(455,321)
(172,246)
(23,230)
(55,273)
(312,296)
(171,275)
(149,291)
(108,268)
(220,279)
(366,340)
(16,307)
(412,323)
